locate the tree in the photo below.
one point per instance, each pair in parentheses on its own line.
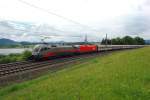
(139,41)
(127,40)
(26,54)
(117,41)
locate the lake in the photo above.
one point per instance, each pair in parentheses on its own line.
(13,50)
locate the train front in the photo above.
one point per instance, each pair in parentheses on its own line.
(36,53)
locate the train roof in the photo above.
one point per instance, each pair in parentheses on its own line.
(51,46)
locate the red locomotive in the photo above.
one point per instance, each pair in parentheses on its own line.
(45,51)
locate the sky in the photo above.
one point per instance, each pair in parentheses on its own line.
(94,18)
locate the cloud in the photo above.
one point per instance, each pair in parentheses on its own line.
(136,24)
(20,31)
(114,17)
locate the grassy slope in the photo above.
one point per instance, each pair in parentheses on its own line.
(124,75)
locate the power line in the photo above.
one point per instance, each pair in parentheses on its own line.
(44,33)
(55,14)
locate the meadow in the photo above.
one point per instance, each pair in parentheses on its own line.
(122,75)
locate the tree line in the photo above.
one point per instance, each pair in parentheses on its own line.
(126,40)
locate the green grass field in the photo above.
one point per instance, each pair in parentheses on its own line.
(123,75)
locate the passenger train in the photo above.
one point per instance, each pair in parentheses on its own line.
(46,51)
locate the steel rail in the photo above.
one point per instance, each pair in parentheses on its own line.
(23,67)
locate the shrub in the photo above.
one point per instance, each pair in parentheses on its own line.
(26,54)
(15,57)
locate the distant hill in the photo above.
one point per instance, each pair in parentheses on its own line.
(5,41)
(25,43)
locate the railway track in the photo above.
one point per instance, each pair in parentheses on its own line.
(17,67)
(19,70)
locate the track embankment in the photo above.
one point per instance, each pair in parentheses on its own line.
(21,71)
(25,70)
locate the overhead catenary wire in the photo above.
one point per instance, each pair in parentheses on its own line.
(55,14)
(54,33)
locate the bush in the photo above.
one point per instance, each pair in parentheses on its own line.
(26,54)
(4,60)
(15,57)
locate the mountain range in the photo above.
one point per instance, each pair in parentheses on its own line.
(4,41)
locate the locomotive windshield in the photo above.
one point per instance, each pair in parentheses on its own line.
(39,48)
(36,48)
(44,48)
